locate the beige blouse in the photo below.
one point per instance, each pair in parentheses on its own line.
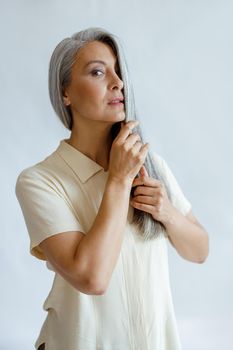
(63,193)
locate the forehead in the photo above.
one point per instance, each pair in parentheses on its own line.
(95,50)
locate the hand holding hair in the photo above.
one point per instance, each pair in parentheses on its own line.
(150,196)
(127,154)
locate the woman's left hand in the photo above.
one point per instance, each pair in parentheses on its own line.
(151,196)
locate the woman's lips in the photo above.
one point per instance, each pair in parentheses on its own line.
(117,103)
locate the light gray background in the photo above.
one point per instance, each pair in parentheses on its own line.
(180,56)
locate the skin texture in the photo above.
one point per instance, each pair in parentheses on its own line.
(87,261)
(185,233)
(88,95)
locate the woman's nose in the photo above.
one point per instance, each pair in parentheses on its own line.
(117,82)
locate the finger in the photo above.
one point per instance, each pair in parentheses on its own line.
(143,171)
(126,130)
(132,141)
(144,207)
(146,191)
(141,149)
(130,123)
(146,181)
(143,180)
(143,199)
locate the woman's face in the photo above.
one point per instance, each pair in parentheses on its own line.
(94,84)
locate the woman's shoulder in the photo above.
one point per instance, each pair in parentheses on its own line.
(40,172)
(30,177)
(34,170)
(31,172)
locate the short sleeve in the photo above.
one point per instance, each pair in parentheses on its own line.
(45,210)
(178,198)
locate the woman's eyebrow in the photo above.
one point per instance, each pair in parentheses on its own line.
(97,61)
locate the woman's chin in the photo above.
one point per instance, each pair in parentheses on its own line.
(117,117)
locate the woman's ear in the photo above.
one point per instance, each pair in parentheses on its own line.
(66,99)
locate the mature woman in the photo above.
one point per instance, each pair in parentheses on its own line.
(101,208)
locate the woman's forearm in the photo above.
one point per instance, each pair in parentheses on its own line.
(98,250)
(190,240)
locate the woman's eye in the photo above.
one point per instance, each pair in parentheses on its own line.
(95,71)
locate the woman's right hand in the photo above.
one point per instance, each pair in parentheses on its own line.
(127,153)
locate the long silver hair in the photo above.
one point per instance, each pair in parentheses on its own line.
(61,62)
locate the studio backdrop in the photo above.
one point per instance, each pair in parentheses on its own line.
(179,55)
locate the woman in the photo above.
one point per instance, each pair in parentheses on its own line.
(99,210)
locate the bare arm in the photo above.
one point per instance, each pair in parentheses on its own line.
(185,233)
(188,236)
(87,261)
(97,252)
